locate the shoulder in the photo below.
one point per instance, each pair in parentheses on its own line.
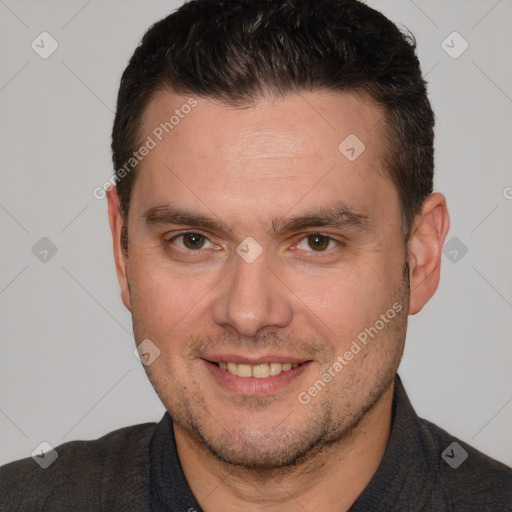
(465,477)
(84,473)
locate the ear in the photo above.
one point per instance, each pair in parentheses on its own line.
(425,246)
(116,220)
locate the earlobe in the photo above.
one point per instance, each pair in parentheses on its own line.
(116,221)
(425,247)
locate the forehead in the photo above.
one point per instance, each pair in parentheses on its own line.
(273,156)
(306,121)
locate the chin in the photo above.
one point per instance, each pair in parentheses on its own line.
(265,446)
(263,450)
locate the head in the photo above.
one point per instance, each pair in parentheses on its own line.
(281,209)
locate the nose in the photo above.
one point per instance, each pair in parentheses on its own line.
(252,298)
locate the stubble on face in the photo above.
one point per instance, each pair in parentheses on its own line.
(329,421)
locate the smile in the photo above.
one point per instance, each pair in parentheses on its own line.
(260,371)
(255,375)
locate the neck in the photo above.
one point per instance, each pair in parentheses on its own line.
(337,473)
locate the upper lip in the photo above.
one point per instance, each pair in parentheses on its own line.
(252,360)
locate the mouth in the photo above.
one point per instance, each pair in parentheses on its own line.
(259,371)
(264,377)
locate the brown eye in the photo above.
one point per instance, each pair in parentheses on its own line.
(193,240)
(318,242)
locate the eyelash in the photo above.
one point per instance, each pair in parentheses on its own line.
(199,252)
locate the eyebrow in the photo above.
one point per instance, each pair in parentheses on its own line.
(169,214)
(339,216)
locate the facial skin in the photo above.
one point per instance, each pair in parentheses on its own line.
(252,170)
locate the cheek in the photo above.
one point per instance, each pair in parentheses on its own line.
(347,308)
(346,300)
(162,302)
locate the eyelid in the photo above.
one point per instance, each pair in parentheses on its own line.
(188,232)
(339,243)
(303,236)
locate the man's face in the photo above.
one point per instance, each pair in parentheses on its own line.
(273,172)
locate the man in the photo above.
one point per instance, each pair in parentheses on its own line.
(274,225)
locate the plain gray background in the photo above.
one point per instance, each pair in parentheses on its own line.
(67,369)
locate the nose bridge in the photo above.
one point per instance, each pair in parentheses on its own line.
(252,298)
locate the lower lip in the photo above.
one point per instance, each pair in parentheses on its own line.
(253,386)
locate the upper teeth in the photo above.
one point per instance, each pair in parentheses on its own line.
(260,371)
